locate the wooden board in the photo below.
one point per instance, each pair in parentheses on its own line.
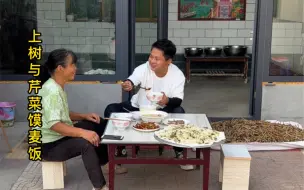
(235,175)
(84,82)
(236,152)
(13,82)
(282,83)
(72,82)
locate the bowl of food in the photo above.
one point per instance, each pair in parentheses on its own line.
(154,96)
(153,116)
(123,115)
(145,108)
(121,123)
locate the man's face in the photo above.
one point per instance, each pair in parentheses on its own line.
(157,60)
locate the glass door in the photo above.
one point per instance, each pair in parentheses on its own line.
(145,29)
(221,86)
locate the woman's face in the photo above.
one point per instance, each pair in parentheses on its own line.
(69,71)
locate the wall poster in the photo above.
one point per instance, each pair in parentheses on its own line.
(211,9)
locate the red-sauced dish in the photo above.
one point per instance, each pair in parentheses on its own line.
(146,126)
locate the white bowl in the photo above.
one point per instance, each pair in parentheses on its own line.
(136,115)
(146,108)
(123,115)
(153,116)
(122,124)
(154,96)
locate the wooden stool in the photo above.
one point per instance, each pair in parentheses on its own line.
(53,174)
(234,167)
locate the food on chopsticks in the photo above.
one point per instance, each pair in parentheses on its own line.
(189,134)
(242,130)
(146,126)
(176,122)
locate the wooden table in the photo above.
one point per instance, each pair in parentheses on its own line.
(238,59)
(135,138)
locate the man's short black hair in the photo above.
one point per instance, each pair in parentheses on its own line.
(167,46)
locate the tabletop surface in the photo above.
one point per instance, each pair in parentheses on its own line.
(132,136)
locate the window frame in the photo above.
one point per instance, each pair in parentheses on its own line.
(149,19)
(269,8)
(122,57)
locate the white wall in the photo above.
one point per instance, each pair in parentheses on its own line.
(287,38)
(290,10)
(85,37)
(199,33)
(90,37)
(94,37)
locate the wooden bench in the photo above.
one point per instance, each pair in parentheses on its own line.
(234,167)
(53,174)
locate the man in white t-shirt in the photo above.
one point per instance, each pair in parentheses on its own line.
(159,74)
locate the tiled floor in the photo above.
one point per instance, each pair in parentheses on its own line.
(269,171)
(217,96)
(15,134)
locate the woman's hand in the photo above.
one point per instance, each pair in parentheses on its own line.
(91,136)
(92,117)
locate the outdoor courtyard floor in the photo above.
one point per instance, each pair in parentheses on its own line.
(270,170)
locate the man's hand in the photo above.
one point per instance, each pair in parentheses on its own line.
(92,117)
(164,101)
(91,136)
(127,86)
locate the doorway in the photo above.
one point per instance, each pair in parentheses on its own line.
(217,96)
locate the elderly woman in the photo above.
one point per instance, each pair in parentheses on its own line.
(61,139)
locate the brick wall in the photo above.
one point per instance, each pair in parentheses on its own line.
(199,33)
(94,37)
(82,37)
(287,38)
(90,37)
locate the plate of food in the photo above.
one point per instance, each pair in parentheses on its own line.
(146,127)
(189,136)
(153,116)
(176,121)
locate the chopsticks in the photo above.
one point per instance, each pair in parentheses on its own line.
(145,88)
(117,119)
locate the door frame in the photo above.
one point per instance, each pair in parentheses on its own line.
(260,48)
(259,51)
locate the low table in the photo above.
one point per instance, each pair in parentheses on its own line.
(135,138)
(218,59)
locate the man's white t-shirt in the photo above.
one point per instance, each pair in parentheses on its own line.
(172,84)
